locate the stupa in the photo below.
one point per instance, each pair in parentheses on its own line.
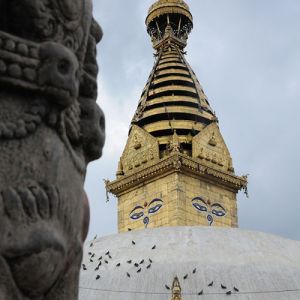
(176,189)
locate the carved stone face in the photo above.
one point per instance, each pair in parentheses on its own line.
(49,131)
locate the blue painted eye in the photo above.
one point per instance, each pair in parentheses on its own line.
(155,208)
(137,216)
(199,207)
(219,213)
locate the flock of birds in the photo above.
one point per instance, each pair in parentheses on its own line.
(106,259)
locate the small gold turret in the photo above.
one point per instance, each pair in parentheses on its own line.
(176,290)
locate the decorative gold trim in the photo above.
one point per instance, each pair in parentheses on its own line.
(177,163)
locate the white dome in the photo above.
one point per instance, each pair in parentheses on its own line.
(259,265)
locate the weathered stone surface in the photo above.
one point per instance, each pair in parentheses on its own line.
(50,129)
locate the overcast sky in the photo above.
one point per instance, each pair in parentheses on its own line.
(246,54)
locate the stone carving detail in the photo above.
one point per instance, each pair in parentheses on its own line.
(210,148)
(141,149)
(50,129)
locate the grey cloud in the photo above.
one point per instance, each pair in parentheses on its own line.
(246,55)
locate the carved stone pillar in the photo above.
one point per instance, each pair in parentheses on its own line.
(50,129)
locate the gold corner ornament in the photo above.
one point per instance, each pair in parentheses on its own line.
(176,290)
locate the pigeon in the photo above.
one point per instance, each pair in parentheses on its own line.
(185,276)
(167,287)
(200,293)
(128,275)
(118,265)
(150,260)
(100,258)
(142,261)
(154,247)
(228,293)
(93,255)
(211,284)
(97,268)
(107,253)
(98,277)
(133,242)
(223,287)
(136,265)
(100,263)
(91,260)
(139,270)
(194,271)
(129,261)
(149,266)
(106,261)
(109,256)
(236,289)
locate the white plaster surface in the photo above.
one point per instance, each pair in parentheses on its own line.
(261,266)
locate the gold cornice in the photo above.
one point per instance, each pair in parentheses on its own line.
(177,163)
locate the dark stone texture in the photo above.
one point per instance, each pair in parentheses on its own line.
(50,129)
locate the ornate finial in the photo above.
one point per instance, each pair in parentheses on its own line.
(213,141)
(169,16)
(176,290)
(175,143)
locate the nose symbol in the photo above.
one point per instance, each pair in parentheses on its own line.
(210,219)
(146,221)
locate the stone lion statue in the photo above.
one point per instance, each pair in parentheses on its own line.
(50,129)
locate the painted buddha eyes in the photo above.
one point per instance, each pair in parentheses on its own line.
(155,209)
(199,207)
(146,211)
(215,209)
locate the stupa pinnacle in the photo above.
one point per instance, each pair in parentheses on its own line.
(176,169)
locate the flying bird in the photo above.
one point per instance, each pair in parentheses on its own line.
(211,284)
(149,266)
(142,261)
(228,293)
(128,275)
(139,270)
(200,293)
(133,242)
(236,289)
(129,261)
(167,287)
(106,262)
(194,271)
(223,287)
(136,265)
(84,267)
(154,247)
(97,268)
(93,255)
(107,253)
(150,260)
(100,258)
(91,260)
(91,245)
(129,229)
(98,277)
(118,265)
(185,276)
(109,256)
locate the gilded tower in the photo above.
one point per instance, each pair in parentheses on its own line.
(176,169)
